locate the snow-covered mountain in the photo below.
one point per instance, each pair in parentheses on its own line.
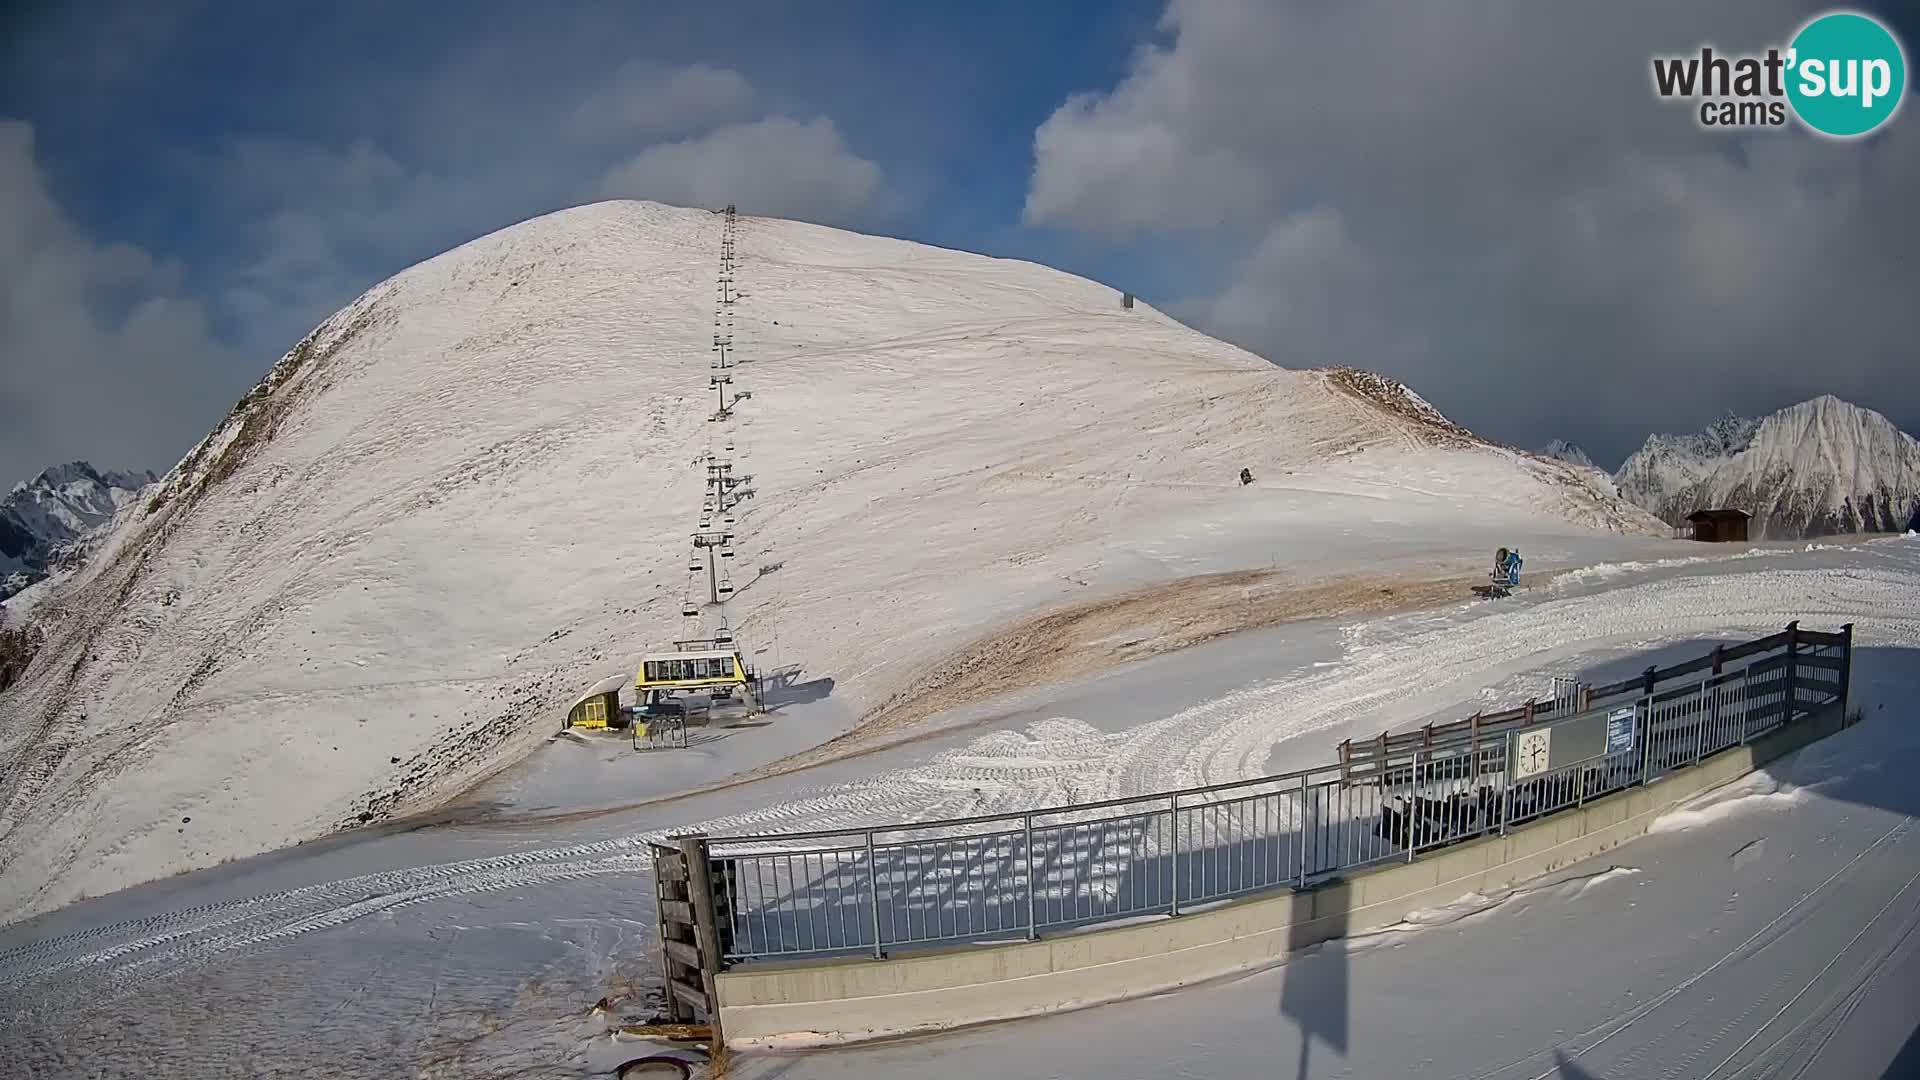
(1666,464)
(468,495)
(1562,450)
(43,518)
(1823,466)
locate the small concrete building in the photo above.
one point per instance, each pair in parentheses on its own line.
(1719,526)
(599,707)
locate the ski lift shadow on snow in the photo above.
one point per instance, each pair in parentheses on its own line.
(783,686)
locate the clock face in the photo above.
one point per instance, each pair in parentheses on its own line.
(1531,752)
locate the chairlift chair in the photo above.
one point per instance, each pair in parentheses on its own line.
(726,588)
(688,609)
(694,565)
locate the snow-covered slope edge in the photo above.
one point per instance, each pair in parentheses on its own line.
(468,494)
(1820,467)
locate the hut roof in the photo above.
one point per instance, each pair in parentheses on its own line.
(607,685)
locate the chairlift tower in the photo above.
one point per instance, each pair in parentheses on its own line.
(711,541)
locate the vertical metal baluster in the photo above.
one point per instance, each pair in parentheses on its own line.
(1026,826)
(873,894)
(1413,833)
(1506,788)
(1699,738)
(759,908)
(1646,741)
(1173,817)
(1300,829)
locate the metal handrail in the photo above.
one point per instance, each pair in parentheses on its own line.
(1185,848)
(1489,740)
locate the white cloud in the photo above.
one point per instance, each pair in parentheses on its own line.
(106,358)
(1486,199)
(776,166)
(648,99)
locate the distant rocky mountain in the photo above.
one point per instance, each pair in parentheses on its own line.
(42,519)
(1821,467)
(1562,450)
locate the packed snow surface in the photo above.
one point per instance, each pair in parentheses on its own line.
(467,496)
(477,950)
(1820,467)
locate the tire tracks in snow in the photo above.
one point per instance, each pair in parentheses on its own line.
(1392,669)
(118,957)
(1393,672)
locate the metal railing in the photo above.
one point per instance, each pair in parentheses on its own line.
(1014,876)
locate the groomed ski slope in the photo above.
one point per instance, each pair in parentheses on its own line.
(478,949)
(468,495)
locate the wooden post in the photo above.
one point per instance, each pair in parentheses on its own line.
(1582,697)
(1719,658)
(670,891)
(1526,714)
(700,891)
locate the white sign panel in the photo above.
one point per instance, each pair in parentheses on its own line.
(1531,750)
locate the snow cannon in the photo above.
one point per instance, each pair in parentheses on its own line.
(1505,576)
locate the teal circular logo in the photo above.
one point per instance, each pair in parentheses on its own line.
(1846,74)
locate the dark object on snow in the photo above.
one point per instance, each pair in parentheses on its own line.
(1246,477)
(1913,523)
(1505,576)
(1719,526)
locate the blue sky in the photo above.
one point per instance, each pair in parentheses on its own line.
(189,186)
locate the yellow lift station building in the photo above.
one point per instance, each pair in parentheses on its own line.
(690,669)
(599,707)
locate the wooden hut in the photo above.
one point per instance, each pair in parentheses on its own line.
(599,707)
(1719,526)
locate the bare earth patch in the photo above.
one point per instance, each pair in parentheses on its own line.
(1077,642)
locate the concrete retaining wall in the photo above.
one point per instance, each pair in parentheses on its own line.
(858,998)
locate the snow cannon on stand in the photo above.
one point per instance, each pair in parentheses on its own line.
(1505,576)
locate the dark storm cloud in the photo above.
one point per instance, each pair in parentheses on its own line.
(1485,199)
